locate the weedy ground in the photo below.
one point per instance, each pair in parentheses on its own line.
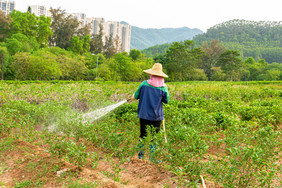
(229,133)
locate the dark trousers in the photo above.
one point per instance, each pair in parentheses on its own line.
(145,123)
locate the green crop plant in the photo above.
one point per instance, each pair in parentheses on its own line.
(229,132)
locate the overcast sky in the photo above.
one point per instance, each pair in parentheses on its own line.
(201,14)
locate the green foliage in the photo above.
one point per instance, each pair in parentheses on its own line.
(4,54)
(5,22)
(38,66)
(109,48)
(212,53)
(44,31)
(76,45)
(257,39)
(21,43)
(230,62)
(135,54)
(80,46)
(182,59)
(31,26)
(228,132)
(64,27)
(44,66)
(156,50)
(97,45)
(24,23)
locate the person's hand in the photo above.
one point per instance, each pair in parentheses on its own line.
(131,98)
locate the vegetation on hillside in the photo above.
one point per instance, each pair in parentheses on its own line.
(41,48)
(252,39)
(156,50)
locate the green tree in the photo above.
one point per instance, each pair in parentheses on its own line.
(21,43)
(117,44)
(218,74)
(64,28)
(3,58)
(85,30)
(252,39)
(76,45)
(121,68)
(212,53)
(80,46)
(274,71)
(44,31)
(72,68)
(97,44)
(273,74)
(230,63)
(182,59)
(29,9)
(86,40)
(5,22)
(31,26)
(43,66)
(24,23)
(109,48)
(20,65)
(135,54)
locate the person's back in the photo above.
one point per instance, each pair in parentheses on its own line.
(152,94)
(151,101)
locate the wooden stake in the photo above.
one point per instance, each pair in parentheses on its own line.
(164,130)
(203,181)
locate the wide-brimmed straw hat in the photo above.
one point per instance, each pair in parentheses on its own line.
(156,70)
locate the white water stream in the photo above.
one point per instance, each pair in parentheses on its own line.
(92,116)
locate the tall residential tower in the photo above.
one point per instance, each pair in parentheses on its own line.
(114,28)
(7,6)
(40,10)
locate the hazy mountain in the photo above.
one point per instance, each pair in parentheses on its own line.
(144,38)
(260,40)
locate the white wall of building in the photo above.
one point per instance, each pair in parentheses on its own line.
(7,6)
(40,10)
(112,27)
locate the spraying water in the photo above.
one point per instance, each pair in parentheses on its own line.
(92,116)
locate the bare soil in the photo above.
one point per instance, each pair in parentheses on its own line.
(29,163)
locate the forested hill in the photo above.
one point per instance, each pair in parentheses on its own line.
(144,38)
(256,39)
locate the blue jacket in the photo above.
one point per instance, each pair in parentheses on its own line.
(151,101)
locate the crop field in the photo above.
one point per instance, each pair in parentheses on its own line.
(221,134)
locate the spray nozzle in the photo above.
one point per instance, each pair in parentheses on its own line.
(131,98)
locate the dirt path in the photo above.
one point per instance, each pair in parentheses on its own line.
(27,164)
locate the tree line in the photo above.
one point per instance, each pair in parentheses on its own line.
(252,39)
(212,61)
(41,48)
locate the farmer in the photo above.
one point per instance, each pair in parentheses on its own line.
(152,94)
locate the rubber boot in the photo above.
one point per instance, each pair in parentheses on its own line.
(152,157)
(141,153)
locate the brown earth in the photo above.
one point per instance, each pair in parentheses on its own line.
(31,164)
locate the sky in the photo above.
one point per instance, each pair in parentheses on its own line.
(201,14)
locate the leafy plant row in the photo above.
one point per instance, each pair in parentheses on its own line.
(230,133)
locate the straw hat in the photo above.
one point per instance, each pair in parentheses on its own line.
(156,70)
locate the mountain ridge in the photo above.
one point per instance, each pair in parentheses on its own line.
(142,38)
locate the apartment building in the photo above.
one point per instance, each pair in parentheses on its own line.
(113,28)
(7,6)
(81,17)
(40,10)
